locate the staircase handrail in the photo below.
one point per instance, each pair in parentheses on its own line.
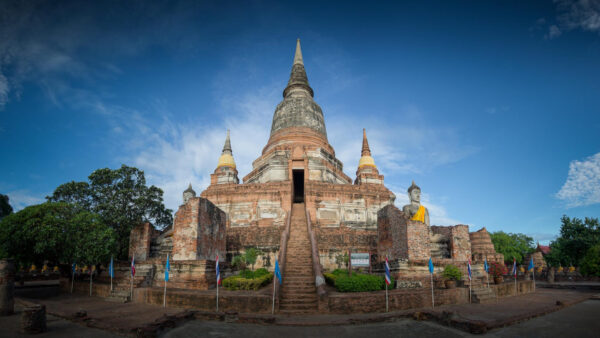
(319,279)
(285,236)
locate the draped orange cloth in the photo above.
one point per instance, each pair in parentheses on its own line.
(420,215)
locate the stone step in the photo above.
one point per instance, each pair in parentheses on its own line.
(298,301)
(299,288)
(298,307)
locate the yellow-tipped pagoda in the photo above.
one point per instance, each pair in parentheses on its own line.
(367,172)
(226,172)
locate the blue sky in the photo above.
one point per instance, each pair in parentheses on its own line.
(493,108)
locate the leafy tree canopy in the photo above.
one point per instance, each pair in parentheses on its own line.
(121,198)
(57,232)
(576,238)
(5,208)
(512,245)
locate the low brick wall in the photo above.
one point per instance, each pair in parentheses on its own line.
(238,301)
(365,302)
(508,288)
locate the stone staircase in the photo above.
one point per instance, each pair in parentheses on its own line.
(119,295)
(144,274)
(481,294)
(298,292)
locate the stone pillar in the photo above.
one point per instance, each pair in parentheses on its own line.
(33,319)
(7,287)
(199,231)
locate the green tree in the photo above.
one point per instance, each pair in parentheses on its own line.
(590,264)
(5,208)
(57,232)
(576,238)
(248,258)
(121,198)
(512,245)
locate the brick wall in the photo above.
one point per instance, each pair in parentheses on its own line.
(140,240)
(391,233)
(366,302)
(199,231)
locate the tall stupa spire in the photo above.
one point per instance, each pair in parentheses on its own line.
(226,159)
(227,146)
(298,84)
(298,55)
(366,151)
(298,108)
(365,159)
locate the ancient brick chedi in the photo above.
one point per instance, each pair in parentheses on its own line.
(298,166)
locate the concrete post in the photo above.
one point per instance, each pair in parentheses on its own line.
(7,287)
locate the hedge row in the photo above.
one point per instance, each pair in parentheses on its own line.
(358,282)
(239,282)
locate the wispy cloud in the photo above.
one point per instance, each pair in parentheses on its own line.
(571,15)
(542,237)
(583,183)
(20,199)
(410,145)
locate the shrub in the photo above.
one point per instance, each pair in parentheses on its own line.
(497,269)
(358,282)
(260,272)
(240,283)
(248,274)
(451,272)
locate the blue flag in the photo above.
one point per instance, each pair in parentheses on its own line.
(530,264)
(486,266)
(430,266)
(111,268)
(167,268)
(277,271)
(74,267)
(388,278)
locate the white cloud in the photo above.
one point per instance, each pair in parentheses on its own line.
(553,32)
(20,199)
(173,154)
(583,183)
(412,146)
(542,237)
(582,14)
(3,90)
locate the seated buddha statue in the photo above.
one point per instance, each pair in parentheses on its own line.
(415,210)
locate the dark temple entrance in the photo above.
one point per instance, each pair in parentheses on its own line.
(298,178)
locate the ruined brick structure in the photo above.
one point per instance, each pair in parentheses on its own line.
(482,247)
(297,166)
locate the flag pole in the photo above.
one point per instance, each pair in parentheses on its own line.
(516,290)
(386,298)
(112,272)
(432,301)
(533,275)
(470,282)
(165,295)
(131,288)
(217,296)
(273,307)
(72,279)
(91,277)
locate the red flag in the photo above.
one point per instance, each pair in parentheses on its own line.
(133,266)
